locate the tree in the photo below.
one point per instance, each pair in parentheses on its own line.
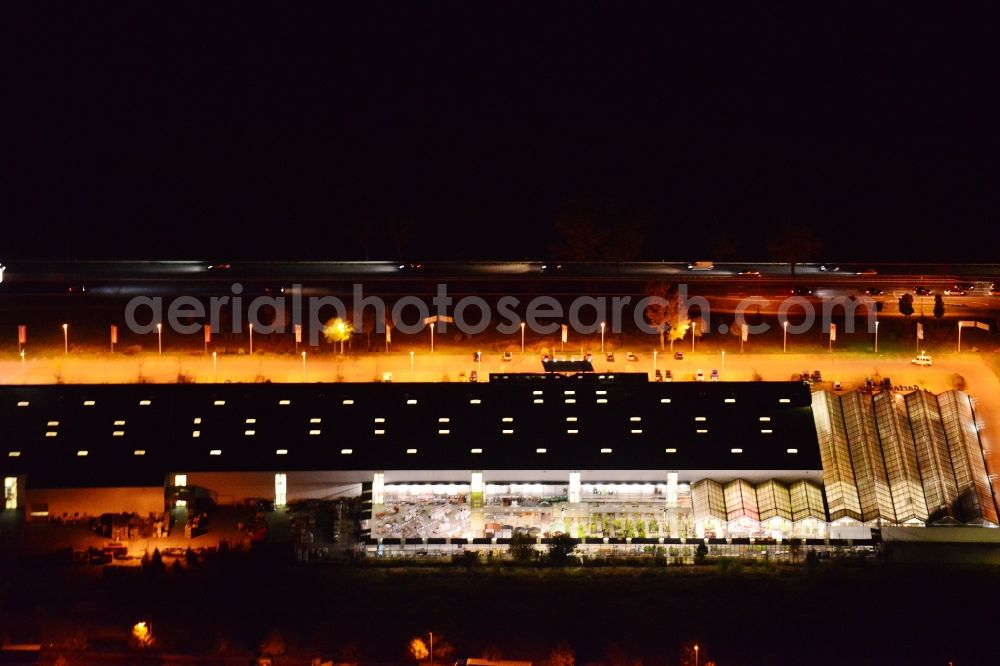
(906,305)
(938,307)
(561,549)
(273,644)
(599,230)
(562,655)
(522,547)
(794,246)
(338,330)
(418,649)
(670,317)
(491,653)
(398,230)
(368,326)
(658,311)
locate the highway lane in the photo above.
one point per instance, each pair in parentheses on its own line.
(197,270)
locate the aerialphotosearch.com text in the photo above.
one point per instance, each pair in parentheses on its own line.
(471,314)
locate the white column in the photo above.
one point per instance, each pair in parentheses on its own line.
(574,488)
(280,489)
(671,489)
(477,498)
(378,489)
(10,492)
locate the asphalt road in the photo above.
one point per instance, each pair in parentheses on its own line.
(27,274)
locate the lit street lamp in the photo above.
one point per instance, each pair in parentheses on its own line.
(432,337)
(876,336)
(522,337)
(654,363)
(411,366)
(303,366)
(215,366)
(695,655)
(723,361)
(251,339)
(784,337)
(602,337)
(159,338)
(479,364)
(65,328)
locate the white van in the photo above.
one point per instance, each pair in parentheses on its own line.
(923,359)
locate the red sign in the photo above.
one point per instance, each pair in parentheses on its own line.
(114,334)
(208,333)
(22,334)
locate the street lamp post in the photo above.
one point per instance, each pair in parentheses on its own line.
(479,364)
(303,367)
(251,339)
(432,337)
(215,366)
(602,337)
(876,336)
(411,366)
(959,337)
(784,337)
(695,655)
(522,337)
(723,370)
(694,329)
(159,338)
(65,328)
(654,363)
(24,369)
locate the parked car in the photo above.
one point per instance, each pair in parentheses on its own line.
(699,376)
(473,376)
(923,359)
(629,356)
(678,356)
(476,356)
(657,376)
(668,376)
(588,357)
(829,268)
(610,356)
(507,357)
(715,375)
(817,377)
(874,291)
(836,385)
(801,291)
(387,377)
(922,291)
(957,290)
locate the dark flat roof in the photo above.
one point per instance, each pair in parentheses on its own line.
(444,422)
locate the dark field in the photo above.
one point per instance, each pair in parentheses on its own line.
(837,613)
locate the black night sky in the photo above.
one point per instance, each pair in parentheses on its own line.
(286,130)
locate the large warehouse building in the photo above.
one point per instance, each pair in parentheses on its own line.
(594,456)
